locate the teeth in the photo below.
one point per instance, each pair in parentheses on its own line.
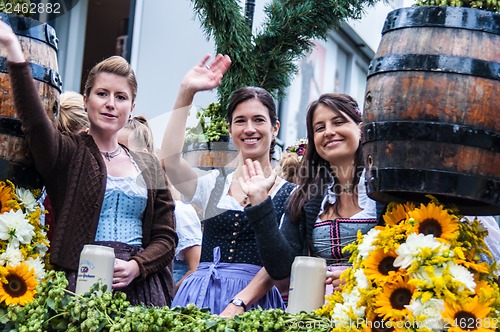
(250,140)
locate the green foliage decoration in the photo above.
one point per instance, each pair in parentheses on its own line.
(489,5)
(268,58)
(56,309)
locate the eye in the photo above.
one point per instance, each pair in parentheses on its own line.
(319,129)
(339,122)
(101,93)
(121,97)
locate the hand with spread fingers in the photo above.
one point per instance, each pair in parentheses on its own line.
(254,183)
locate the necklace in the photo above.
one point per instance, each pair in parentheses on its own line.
(347,188)
(112,154)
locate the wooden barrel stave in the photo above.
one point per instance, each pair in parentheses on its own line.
(430,117)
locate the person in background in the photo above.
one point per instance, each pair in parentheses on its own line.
(101,192)
(72,117)
(289,167)
(330,204)
(137,135)
(230,260)
(188,250)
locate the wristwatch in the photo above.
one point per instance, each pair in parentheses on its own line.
(239,303)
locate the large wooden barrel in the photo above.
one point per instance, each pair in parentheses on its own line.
(39,44)
(221,155)
(431,114)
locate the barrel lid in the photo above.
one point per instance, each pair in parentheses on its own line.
(445,17)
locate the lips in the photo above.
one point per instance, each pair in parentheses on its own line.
(109,115)
(333,142)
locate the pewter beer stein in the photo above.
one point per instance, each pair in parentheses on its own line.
(96,263)
(307,284)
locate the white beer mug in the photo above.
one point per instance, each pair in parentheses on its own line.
(307,284)
(96,263)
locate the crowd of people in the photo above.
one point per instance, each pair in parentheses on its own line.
(182,235)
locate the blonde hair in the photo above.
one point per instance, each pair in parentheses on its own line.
(72,117)
(140,137)
(289,167)
(112,65)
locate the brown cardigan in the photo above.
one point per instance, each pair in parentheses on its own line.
(74,174)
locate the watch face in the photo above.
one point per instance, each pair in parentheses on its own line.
(238,302)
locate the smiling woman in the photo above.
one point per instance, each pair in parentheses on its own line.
(101,192)
(228,247)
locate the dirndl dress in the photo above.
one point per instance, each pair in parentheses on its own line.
(214,284)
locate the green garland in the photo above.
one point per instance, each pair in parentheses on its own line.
(56,309)
(268,59)
(489,5)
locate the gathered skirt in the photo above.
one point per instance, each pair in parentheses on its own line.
(154,290)
(214,284)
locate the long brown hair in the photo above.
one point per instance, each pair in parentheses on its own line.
(318,172)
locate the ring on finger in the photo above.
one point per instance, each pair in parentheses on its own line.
(207,66)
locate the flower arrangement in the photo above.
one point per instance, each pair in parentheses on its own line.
(23,245)
(299,148)
(428,269)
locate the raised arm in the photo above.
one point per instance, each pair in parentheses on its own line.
(199,78)
(42,136)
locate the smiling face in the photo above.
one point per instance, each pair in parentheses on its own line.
(336,136)
(109,103)
(251,129)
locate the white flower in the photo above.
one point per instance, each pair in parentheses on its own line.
(37,265)
(15,228)
(12,256)
(431,310)
(463,275)
(361,279)
(410,250)
(341,311)
(367,246)
(27,199)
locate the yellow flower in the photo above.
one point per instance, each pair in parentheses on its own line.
(379,266)
(472,315)
(434,220)
(20,285)
(7,197)
(391,303)
(397,212)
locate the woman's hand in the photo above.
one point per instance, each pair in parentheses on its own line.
(125,272)
(254,183)
(205,76)
(334,273)
(9,40)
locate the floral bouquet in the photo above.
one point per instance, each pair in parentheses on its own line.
(299,148)
(428,269)
(23,245)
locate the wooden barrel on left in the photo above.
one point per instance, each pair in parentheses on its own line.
(39,43)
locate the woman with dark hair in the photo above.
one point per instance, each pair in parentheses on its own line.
(229,259)
(330,204)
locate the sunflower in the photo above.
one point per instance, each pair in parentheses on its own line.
(391,303)
(472,315)
(434,220)
(379,266)
(20,285)
(397,212)
(8,199)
